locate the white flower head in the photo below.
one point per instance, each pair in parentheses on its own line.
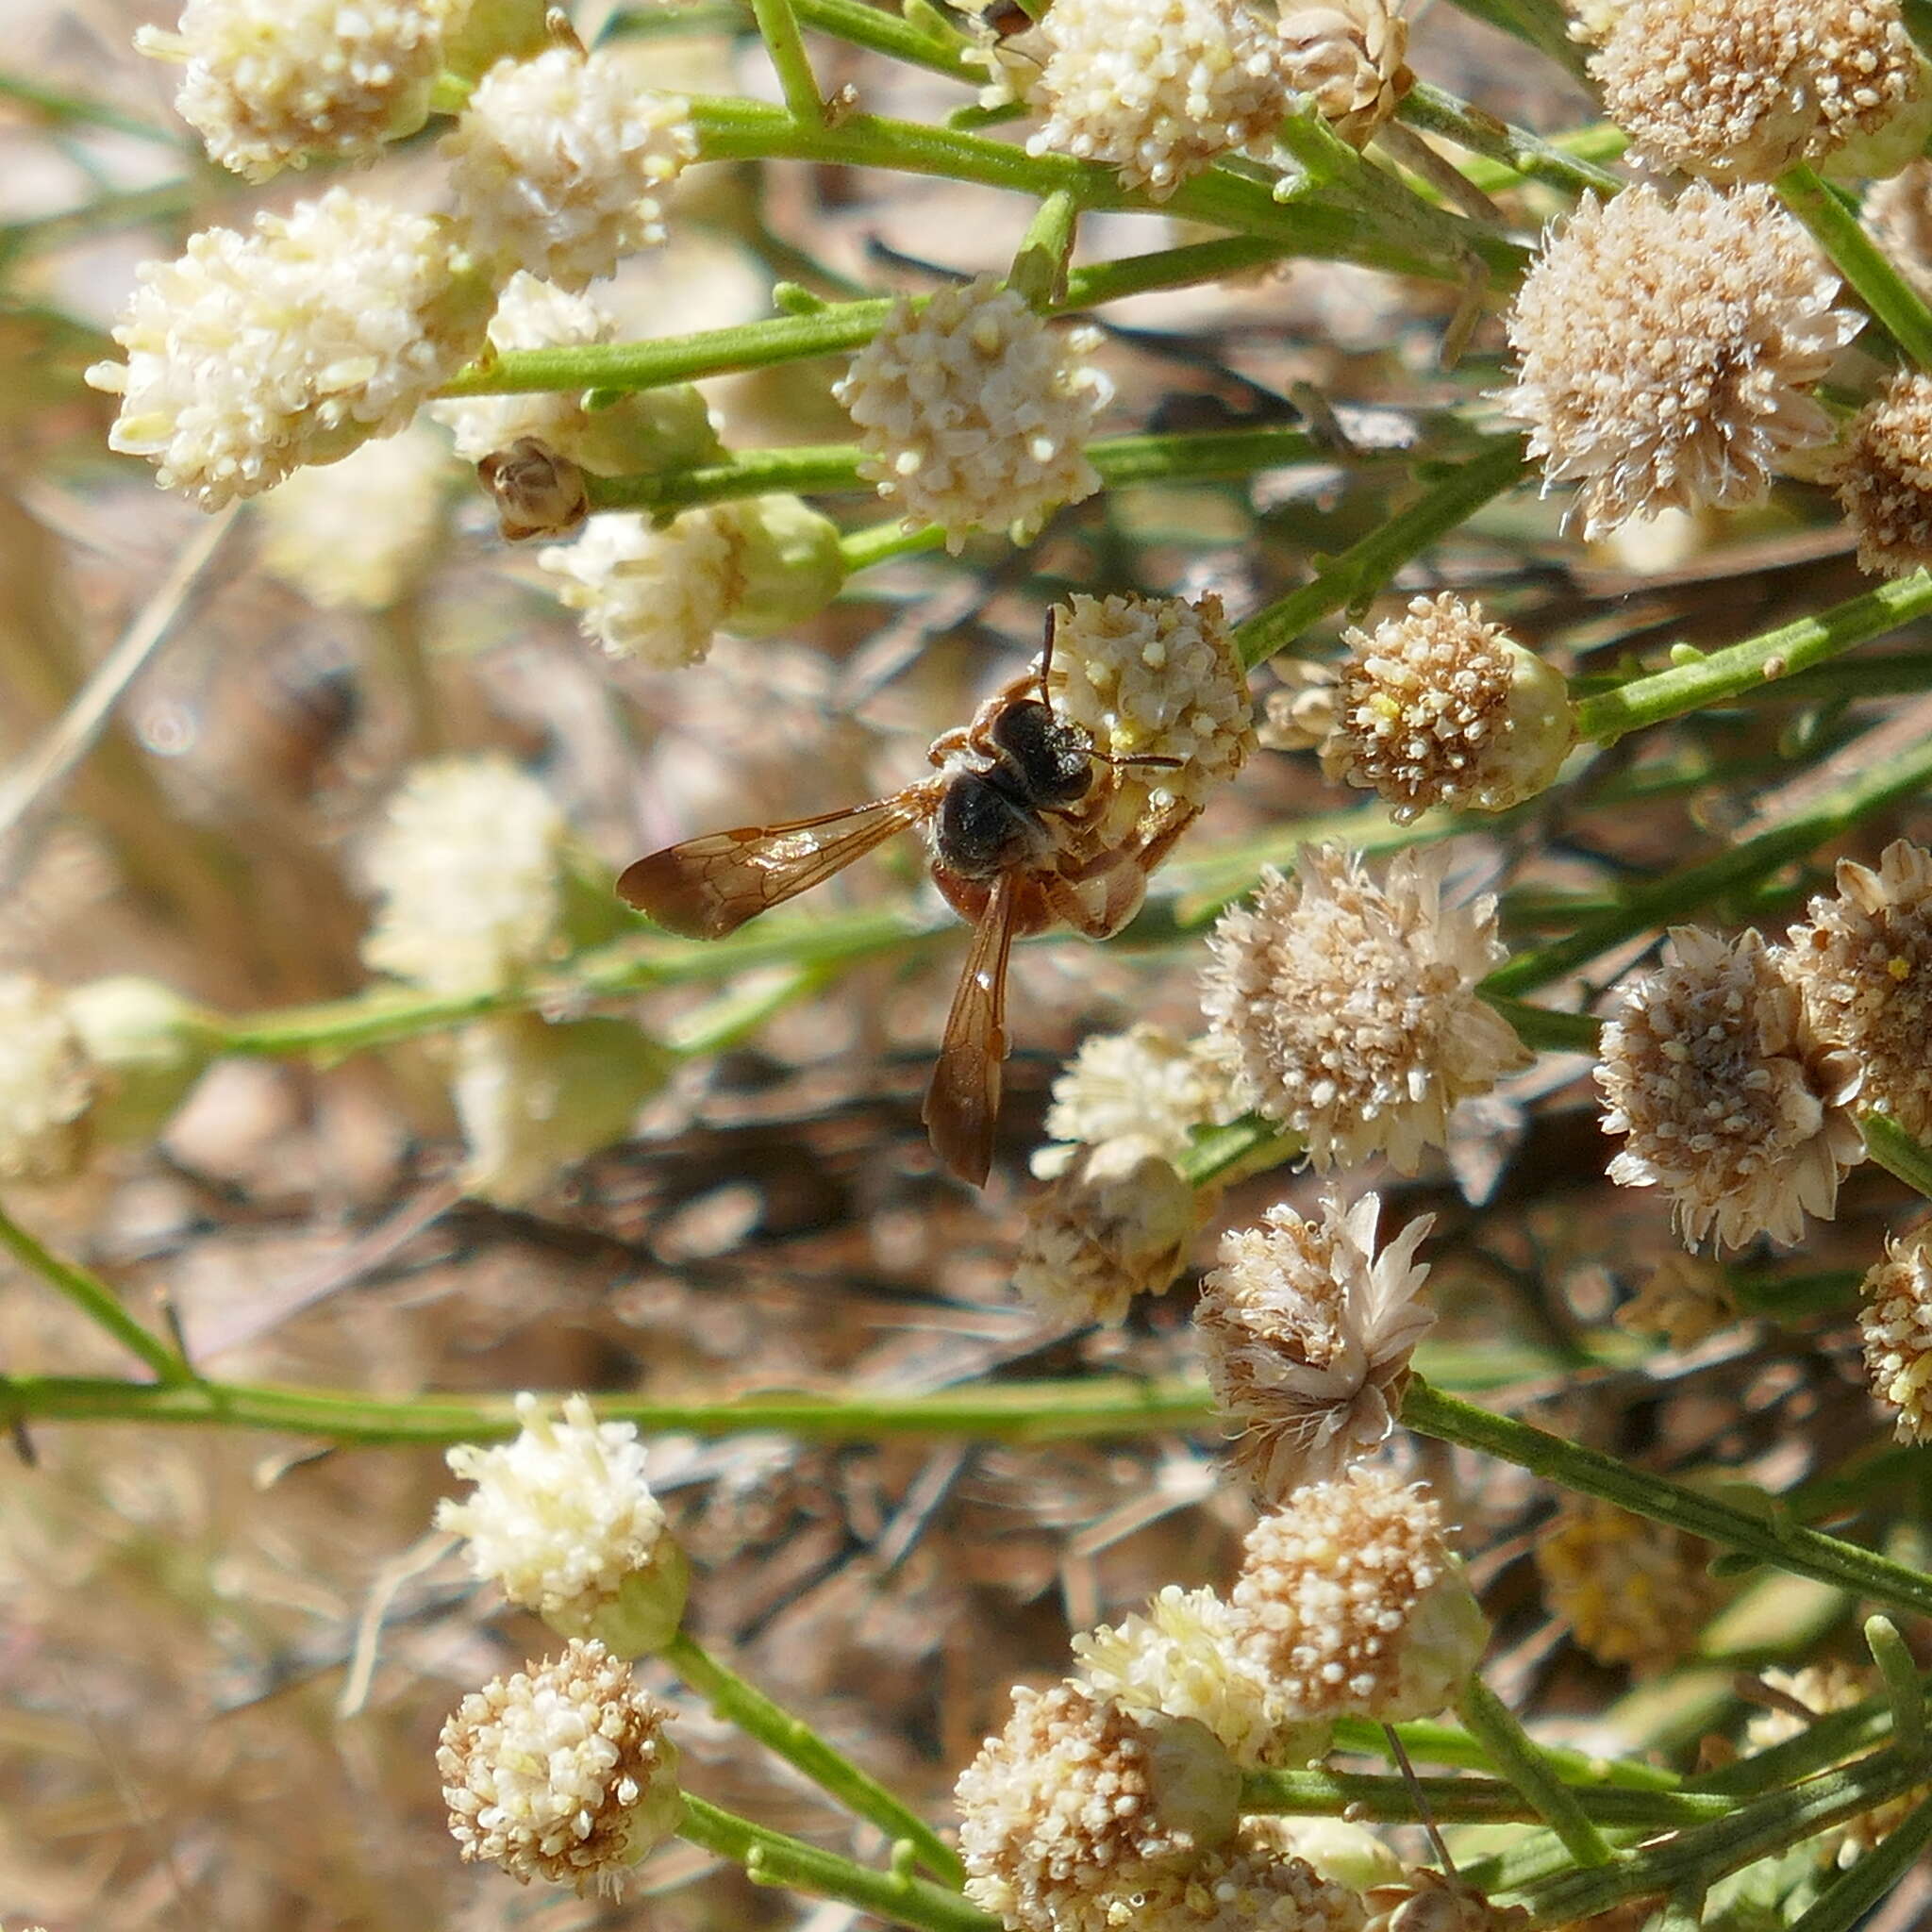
(469,868)
(974,413)
(1145,1084)
(558,164)
(565,1523)
(253,355)
(1895,1321)
(1307,1333)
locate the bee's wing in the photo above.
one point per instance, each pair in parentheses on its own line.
(962,1103)
(709,887)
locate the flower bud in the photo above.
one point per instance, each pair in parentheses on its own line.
(788,564)
(148,1047)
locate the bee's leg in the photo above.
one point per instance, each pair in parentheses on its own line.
(943,747)
(1098,898)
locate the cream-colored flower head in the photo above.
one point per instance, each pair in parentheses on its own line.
(1862,964)
(1340,1850)
(47,1083)
(253,355)
(1741,89)
(1155,678)
(558,164)
(1183,1658)
(1666,349)
(468,871)
(1723,1098)
(270,83)
(1251,1887)
(1114,1223)
(643,430)
(1350,1003)
(534,1097)
(565,1523)
(1307,1333)
(1353,1601)
(1895,1318)
(1440,707)
(561,1771)
(363,533)
(1823,1688)
(1350,58)
(1147,1084)
(974,415)
(1633,1592)
(752,567)
(1156,89)
(1884,477)
(1684,1300)
(1078,1798)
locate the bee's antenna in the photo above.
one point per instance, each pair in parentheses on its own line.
(1053,625)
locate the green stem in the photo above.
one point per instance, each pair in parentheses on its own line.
(1902,1686)
(79,110)
(1757,661)
(1772,1539)
(888,33)
(770,1858)
(1040,263)
(1900,309)
(96,1301)
(1438,1744)
(1362,569)
(1519,1760)
(1543,1027)
(778,28)
(795,1740)
(1897,1151)
(1541,23)
(1872,1878)
(1384,1800)
(879,542)
(1681,894)
(1435,110)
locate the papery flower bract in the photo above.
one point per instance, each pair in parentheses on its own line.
(1353,1601)
(323,328)
(559,162)
(272,83)
(469,870)
(1440,707)
(1883,477)
(1078,1797)
(1665,350)
(1307,1332)
(1113,1223)
(1147,1084)
(1741,89)
(1895,1322)
(1723,1100)
(974,413)
(1633,1592)
(47,1083)
(1156,88)
(561,1771)
(1183,1658)
(562,1520)
(1862,965)
(1350,1006)
(360,533)
(1350,58)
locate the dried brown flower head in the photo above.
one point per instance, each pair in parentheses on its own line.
(1884,477)
(537,491)
(1349,1004)
(1440,707)
(1862,964)
(1895,1319)
(1114,1223)
(1741,89)
(1352,1600)
(1078,1797)
(1350,57)
(1684,1300)
(1723,1099)
(1665,350)
(1633,1592)
(1307,1332)
(563,1772)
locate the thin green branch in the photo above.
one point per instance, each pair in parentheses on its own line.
(65,109)
(1542,23)
(1770,1537)
(1518,1759)
(1381,1799)
(1897,1151)
(795,1740)
(778,28)
(769,1858)
(1899,308)
(1526,156)
(891,34)
(1871,1881)
(1039,265)
(97,1301)
(1429,1742)
(1757,661)
(1350,580)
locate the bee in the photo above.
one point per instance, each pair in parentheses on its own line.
(1020,839)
